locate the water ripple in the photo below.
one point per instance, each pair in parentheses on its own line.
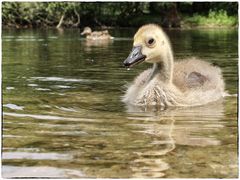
(39,172)
(13,106)
(35,156)
(48,117)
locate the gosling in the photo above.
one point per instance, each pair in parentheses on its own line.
(189,82)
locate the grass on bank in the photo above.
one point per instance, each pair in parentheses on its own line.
(214,19)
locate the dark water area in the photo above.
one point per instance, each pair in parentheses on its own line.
(63,116)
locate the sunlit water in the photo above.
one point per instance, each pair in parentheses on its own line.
(63,117)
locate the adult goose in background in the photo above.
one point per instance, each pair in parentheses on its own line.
(189,82)
(96,35)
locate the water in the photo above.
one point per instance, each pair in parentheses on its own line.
(63,118)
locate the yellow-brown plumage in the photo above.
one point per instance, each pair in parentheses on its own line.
(188,82)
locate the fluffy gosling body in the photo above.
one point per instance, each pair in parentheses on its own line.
(189,82)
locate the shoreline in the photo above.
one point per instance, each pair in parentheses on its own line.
(183,27)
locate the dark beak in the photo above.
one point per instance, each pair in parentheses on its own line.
(134,57)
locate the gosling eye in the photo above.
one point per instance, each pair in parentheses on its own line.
(150,42)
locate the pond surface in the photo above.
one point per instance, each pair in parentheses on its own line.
(63,116)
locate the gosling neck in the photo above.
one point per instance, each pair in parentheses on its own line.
(164,68)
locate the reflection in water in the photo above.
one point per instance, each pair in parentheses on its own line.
(165,134)
(92,43)
(149,162)
(137,146)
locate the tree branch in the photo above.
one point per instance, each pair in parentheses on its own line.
(61,21)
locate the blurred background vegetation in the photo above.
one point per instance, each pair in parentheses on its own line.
(119,14)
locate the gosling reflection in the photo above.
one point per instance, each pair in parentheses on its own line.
(171,127)
(149,162)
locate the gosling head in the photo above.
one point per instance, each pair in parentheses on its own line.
(87,31)
(150,45)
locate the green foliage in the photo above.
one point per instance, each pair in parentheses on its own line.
(214,18)
(75,14)
(37,13)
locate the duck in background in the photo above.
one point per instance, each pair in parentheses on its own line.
(96,35)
